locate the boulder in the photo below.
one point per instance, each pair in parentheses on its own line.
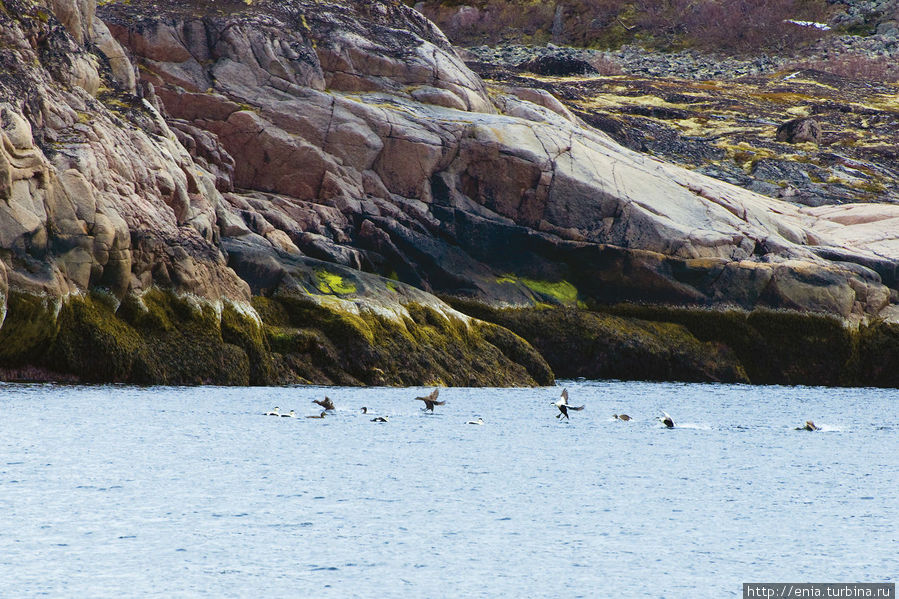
(558,66)
(799,130)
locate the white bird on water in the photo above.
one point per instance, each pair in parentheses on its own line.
(276,411)
(478,421)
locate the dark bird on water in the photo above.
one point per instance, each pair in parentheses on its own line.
(322,415)
(666,420)
(326,403)
(809,426)
(563,406)
(379,419)
(624,417)
(364,410)
(431,400)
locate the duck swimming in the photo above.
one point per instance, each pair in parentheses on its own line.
(563,406)
(322,415)
(276,411)
(291,414)
(478,421)
(431,400)
(364,410)
(624,417)
(809,426)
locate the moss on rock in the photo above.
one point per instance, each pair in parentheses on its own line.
(762,346)
(246,333)
(368,348)
(157,338)
(94,343)
(579,343)
(29,328)
(163,338)
(774,346)
(874,360)
(160,337)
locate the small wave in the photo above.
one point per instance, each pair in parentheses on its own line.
(829,428)
(692,425)
(822,428)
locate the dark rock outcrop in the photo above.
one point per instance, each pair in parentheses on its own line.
(799,130)
(558,66)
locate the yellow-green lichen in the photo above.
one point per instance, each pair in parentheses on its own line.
(333,283)
(562,292)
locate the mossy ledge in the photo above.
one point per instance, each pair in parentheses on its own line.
(160,337)
(762,346)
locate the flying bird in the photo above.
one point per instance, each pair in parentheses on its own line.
(326,403)
(563,406)
(431,400)
(379,419)
(666,420)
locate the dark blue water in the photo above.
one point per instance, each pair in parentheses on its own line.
(182,492)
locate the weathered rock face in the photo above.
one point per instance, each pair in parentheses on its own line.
(103,203)
(300,149)
(376,148)
(96,190)
(727,130)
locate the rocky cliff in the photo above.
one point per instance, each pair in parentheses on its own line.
(276,191)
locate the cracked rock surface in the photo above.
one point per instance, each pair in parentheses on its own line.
(241,147)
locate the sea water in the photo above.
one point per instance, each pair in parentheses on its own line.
(113,491)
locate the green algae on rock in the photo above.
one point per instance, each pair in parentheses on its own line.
(164,338)
(427,346)
(762,346)
(581,343)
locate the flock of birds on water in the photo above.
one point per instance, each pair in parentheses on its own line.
(431,401)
